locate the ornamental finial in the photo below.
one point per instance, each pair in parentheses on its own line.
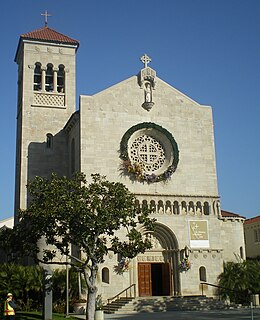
(145,60)
(46,15)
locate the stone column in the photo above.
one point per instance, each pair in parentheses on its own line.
(180,207)
(43,78)
(55,77)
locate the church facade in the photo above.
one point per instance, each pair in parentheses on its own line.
(144,133)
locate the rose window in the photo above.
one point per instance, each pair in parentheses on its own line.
(148,153)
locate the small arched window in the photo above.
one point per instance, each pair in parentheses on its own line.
(153,206)
(160,207)
(168,207)
(144,204)
(37,78)
(49,141)
(199,207)
(202,273)
(49,78)
(72,156)
(61,79)
(176,207)
(105,275)
(206,208)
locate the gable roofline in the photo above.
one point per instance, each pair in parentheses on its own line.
(252,220)
(228,214)
(46,35)
(49,35)
(125,81)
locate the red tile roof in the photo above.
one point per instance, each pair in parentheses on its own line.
(227,214)
(47,34)
(252,220)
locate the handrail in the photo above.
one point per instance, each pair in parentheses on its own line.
(216,286)
(120,293)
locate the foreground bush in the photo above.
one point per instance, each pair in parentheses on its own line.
(239,280)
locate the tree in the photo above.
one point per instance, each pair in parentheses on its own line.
(25,282)
(67,212)
(239,280)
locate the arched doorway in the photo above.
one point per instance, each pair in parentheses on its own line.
(157,268)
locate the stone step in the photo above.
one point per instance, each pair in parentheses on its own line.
(161,304)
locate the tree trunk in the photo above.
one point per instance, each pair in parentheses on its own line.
(91,304)
(92,291)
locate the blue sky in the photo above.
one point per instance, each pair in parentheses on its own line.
(208,49)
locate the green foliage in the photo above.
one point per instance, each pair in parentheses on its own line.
(239,280)
(59,288)
(67,212)
(25,283)
(70,211)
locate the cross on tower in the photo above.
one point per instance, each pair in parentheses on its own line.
(46,15)
(145,60)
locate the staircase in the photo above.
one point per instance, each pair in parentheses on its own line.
(161,304)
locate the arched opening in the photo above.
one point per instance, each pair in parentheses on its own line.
(199,208)
(49,141)
(105,275)
(206,208)
(37,78)
(160,207)
(49,78)
(61,79)
(183,207)
(153,206)
(158,273)
(144,204)
(191,207)
(168,207)
(176,207)
(202,274)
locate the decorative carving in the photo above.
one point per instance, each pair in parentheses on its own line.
(145,60)
(154,241)
(45,99)
(150,259)
(148,152)
(146,80)
(145,156)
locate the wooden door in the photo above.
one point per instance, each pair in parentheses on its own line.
(144,279)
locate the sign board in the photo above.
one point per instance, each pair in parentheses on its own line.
(199,237)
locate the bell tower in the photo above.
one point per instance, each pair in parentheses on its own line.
(46,62)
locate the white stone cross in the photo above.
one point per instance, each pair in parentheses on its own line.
(145,60)
(46,14)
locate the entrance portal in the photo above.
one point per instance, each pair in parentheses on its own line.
(154,279)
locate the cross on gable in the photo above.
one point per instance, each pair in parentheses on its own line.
(145,60)
(46,15)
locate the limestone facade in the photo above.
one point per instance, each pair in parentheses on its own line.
(141,124)
(252,237)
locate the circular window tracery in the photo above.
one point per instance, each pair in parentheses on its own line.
(148,153)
